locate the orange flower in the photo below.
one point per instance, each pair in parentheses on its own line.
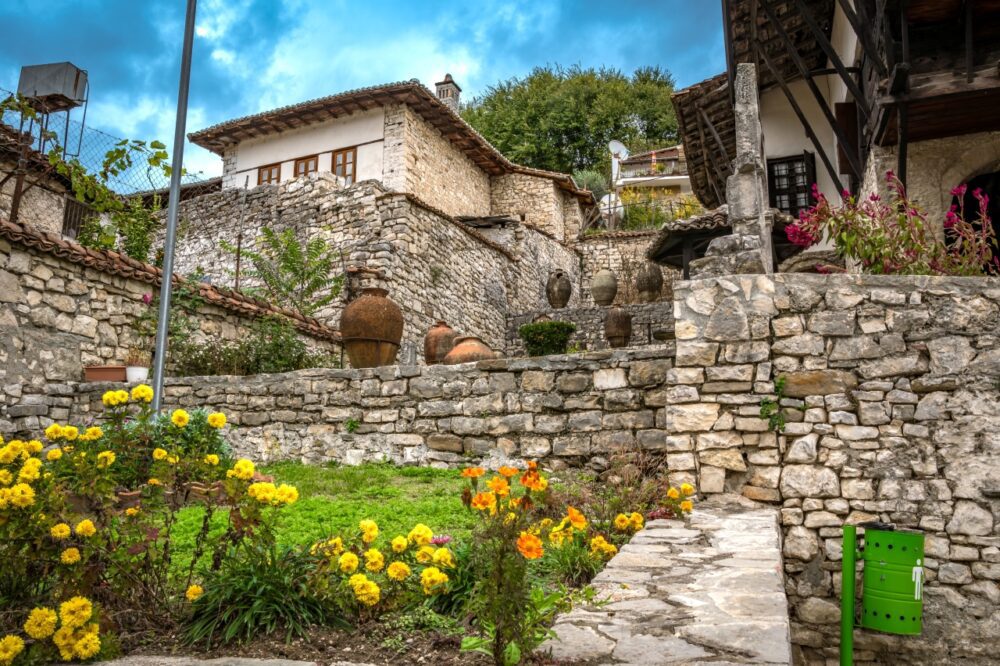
(532,465)
(473,472)
(532,480)
(687,505)
(499,485)
(485,501)
(673,493)
(576,519)
(507,472)
(529,546)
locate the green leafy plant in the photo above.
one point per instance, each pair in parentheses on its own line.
(540,609)
(546,337)
(300,275)
(135,224)
(771,409)
(352,425)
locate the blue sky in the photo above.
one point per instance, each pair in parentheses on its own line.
(252,55)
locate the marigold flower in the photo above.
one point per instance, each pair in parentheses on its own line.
(576,519)
(369,530)
(20,495)
(105,458)
(93,432)
(433,580)
(499,485)
(34,447)
(70,432)
(88,646)
(243,469)
(111,399)
(154,482)
(673,493)
(180,418)
(142,393)
(173,459)
(425,554)
(331,547)
(420,535)
(368,592)
(687,505)
(398,571)
(532,480)
(508,472)
(286,494)
(399,544)
(263,492)
(621,522)
(41,623)
(444,558)
(30,471)
(60,531)
(687,489)
(348,562)
(54,455)
(53,432)
(85,528)
(473,472)
(65,638)
(75,612)
(529,546)
(485,502)
(193,592)
(374,560)
(132,511)
(216,419)
(635,521)
(211,459)
(159,454)
(10,647)
(600,547)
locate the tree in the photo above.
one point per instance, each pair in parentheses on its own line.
(562,119)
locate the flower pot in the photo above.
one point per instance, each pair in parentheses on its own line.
(467,349)
(371,328)
(104,373)
(558,289)
(604,287)
(649,282)
(136,374)
(618,327)
(438,342)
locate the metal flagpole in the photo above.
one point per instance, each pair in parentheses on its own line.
(162,320)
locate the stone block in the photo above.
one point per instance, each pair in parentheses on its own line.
(971,519)
(724,458)
(803,449)
(692,417)
(818,382)
(537,380)
(809,481)
(574,382)
(719,440)
(711,479)
(696,353)
(648,373)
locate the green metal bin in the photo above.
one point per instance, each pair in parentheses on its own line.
(892,594)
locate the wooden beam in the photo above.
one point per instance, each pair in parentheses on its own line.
(859,22)
(802,119)
(718,139)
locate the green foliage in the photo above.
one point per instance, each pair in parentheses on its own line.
(402,626)
(135,224)
(571,562)
(546,337)
(259,591)
(95,235)
(593,180)
(771,409)
(273,345)
(539,610)
(562,119)
(352,425)
(461,585)
(302,276)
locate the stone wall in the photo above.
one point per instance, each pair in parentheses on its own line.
(537,201)
(572,409)
(61,310)
(42,206)
(652,324)
(624,253)
(891,396)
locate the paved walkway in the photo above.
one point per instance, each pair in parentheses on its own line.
(224,661)
(706,592)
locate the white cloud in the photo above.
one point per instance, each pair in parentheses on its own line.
(216,17)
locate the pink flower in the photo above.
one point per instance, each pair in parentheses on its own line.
(147,298)
(441,540)
(890,175)
(959,191)
(874,197)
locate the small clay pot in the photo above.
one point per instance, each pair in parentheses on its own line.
(649,282)
(558,289)
(438,342)
(618,327)
(604,287)
(467,349)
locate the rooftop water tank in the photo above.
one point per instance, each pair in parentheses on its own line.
(55,87)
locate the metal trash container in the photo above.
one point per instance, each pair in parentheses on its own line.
(892,594)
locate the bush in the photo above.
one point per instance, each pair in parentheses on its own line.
(546,337)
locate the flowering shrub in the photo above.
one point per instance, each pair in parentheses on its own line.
(74,529)
(895,237)
(676,503)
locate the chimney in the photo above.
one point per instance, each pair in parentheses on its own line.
(448,92)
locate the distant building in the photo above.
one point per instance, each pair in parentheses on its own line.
(663,170)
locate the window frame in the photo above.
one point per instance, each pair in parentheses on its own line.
(773,191)
(301,160)
(268,167)
(75,214)
(353,152)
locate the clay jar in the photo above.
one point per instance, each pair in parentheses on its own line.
(649,282)
(618,327)
(371,327)
(604,287)
(558,289)
(467,349)
(438,342)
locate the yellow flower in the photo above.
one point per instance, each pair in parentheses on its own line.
(193,592)
(425,554)
(635,521)
(216,419)
(369,530)
(88,646)
(10,647)
(399,544)
(348,562)
(64,639)
(286,494)
(374,561)
(243,470)
(687,489)
(142,393)
(499,485)
(6,478)
(93,432)
(485,502)
(687,505)
(85,528)
(41,623)
(30,471)
(367,592)
(34,447)
(111,399)
(180,418)
(262,492)
(621,522)
(357,580)
(70,432)
(153,481)
(576,519)
(53,432)
(173,460)
(21,495)
(60,531)
(159,454)
(673,493)
(420,535)
(600,547)
(54,455)
(444,558)
(433,580)
(211,459)
(132,511)
(105,458)
(75,612)
(398,571)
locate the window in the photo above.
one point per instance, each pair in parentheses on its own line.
(306,165)
(74,214)
(789,182)
(344,163)
(269,174)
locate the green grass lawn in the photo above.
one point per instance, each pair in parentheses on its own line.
(333,499)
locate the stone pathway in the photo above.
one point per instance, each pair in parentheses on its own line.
(706,592)
(223,661)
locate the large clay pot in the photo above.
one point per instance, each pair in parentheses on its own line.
(371,327)
(438,342)
(618,327)
(604,287)
(558,289)
(649,282)
(468,348)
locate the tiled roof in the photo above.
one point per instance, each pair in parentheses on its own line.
(600,235)
(717,218)
(118,264)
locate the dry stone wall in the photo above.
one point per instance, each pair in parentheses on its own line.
(652,324)
(537,201)
(42,205)
(624,253)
